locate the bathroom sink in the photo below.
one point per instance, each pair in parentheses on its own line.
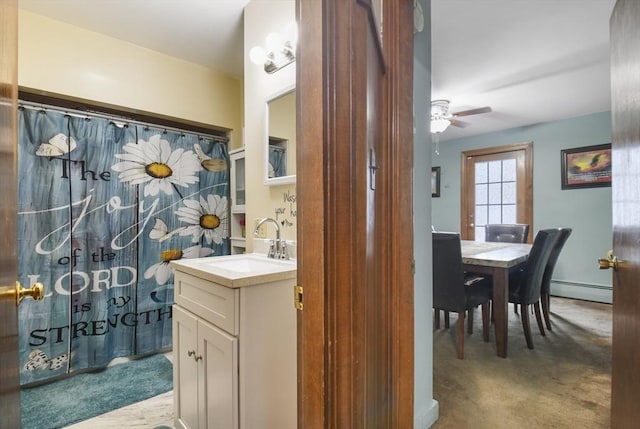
(248,264)
(238,270)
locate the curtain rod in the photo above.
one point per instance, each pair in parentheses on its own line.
(115,118)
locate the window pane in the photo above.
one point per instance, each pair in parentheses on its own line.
(479,233)
(495,171)
(509,193)
(481,194)
(509,213)
(495,193)
(495,214)
(481,215)
(481,172)
(509,170)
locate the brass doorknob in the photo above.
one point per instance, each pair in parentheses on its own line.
(36,292)
(611,261)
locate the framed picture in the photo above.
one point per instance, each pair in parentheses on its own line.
(586,167)
(435,181)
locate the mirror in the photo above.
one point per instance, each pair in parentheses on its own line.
(280,144)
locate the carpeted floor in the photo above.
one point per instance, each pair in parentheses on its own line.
(565,382)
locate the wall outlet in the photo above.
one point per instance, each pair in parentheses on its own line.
(262,232)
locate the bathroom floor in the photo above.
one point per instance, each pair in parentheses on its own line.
(149,414)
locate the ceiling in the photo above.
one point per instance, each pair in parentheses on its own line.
(532,61)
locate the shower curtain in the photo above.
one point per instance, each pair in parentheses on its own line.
(104,206)
(277,161)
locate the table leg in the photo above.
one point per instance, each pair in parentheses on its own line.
(501,308)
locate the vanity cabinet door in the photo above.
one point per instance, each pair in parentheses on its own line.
(185,373)
(218,377)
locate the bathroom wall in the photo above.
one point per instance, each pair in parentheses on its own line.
(587,211)
(278,202)
(60,58)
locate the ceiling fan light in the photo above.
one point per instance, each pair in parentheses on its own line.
(439,125)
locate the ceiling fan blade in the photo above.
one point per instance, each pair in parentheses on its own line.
(476,111)
(459,124)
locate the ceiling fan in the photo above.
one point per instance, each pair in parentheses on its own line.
(441,118)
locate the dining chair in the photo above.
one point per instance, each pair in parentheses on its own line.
(455,291)
(507,232)
(525,284)
(545,292)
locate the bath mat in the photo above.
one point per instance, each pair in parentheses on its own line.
(70,400)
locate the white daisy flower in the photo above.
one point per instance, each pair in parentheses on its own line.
(163,272)
(156,165)
(206,217)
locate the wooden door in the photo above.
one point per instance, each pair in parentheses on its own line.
(355,332)
(9,363)
(496,187)
(625,84)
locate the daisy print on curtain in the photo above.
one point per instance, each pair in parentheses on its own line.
(101,215)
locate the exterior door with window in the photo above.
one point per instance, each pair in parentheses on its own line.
(497,187)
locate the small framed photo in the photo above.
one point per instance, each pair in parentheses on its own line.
(435,181)
(586,167)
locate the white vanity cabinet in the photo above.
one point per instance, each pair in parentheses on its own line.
(234,344)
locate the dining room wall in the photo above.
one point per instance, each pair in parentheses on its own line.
(587,211)
(425,407)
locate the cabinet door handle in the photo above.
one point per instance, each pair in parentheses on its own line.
(192,353)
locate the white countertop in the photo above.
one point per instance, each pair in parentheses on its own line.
(236,271)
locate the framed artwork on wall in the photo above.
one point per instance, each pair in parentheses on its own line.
(435,181)
(586,167)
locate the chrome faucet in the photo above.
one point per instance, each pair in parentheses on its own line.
(277,248)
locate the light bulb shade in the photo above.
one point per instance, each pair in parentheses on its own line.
(439,125)
(258,55)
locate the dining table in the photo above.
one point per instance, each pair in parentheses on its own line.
(497,259)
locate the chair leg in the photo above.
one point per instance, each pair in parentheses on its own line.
(536,308)
(544,299)
(436,318)
(526,327)
(485,322)
(460,335)
(446,319)
(515,308)
(470,321)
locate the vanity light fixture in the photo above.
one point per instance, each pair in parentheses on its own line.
(279,51)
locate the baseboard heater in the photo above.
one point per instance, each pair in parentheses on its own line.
(585,291)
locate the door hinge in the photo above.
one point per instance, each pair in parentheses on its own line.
(413,267)
(297,297)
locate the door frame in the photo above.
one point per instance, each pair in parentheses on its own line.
(323,79)
(9,360)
